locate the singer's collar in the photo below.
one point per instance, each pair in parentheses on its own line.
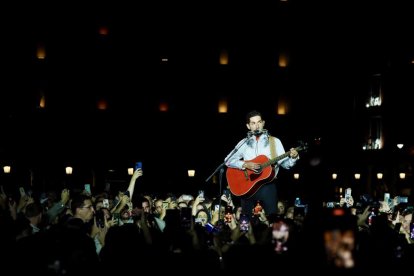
(251,138)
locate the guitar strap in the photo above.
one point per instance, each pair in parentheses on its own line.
(273,152)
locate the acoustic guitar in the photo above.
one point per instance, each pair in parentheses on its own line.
(247,182)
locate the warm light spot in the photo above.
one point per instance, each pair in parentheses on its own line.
(191,173)
(338,212)
(42,103)
(222,106)
(69,170)
(163,107)
(224,58)
(6,169)
(283,60)
(102,104)
(281,109)
(103,31)
(41,51)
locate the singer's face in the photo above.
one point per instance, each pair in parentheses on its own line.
(256,123)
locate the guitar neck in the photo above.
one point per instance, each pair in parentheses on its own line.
(278,158)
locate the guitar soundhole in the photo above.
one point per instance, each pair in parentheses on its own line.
(254,176)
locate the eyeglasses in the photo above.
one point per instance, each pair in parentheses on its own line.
(87,207)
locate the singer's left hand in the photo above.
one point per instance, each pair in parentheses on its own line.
(293,153)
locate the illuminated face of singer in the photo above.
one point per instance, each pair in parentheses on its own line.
(255,124)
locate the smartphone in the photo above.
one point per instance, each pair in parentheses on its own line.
(340,247)
(280,235)
(100,218)
(22,192)
(387,197)
(339,239)
(299,211)
(373,212)
(165,204)
(201,194)
(257,208)
(330,204)
(226,192)
(186,218)
(116,217)
(402,199)
(138,165)
(228,216)
(397,228)
(244,222)
(88,188)
(200,220)
(105,203)
(348,196)
(187,197)
(348,193)
(210,228)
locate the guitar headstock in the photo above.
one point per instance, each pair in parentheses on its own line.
(303,146)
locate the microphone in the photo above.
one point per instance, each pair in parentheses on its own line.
(256,132)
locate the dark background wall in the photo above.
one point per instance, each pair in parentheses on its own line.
(334,50)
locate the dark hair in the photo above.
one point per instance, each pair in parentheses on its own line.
(205,211)
(252,113)
(218,201)
(33,209)
(78,201)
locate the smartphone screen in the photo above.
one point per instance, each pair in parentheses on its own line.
(138,165)
(228,216)
(105,203)
(244,223)
(280,235)
(226,192)
(339,236)
(22,192)
(88,188)
(257,208)
(201,194)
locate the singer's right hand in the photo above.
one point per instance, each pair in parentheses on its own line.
(251,166)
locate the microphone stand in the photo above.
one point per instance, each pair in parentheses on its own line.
(221,169)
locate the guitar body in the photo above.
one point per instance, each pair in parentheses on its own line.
(247,182)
